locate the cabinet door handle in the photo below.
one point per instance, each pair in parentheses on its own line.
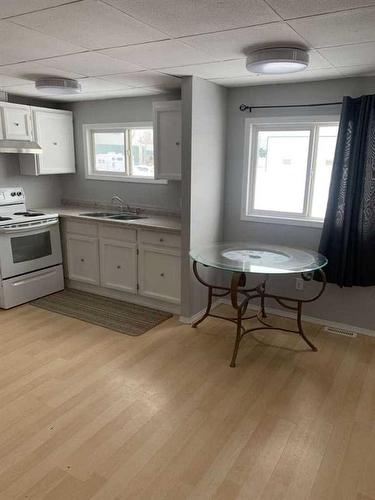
(82,260)
(162,275)
(16,124)
(54,143)
(177,143)
(118,267)
(161,240)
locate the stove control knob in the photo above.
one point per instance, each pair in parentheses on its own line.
(13,194)
(19,193)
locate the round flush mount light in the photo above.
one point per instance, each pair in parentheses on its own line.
(277,60)
(58,86)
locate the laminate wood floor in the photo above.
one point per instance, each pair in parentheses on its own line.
(87,413)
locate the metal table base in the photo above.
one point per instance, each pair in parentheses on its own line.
(238,290)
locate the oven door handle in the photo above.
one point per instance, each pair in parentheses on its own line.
(12,230)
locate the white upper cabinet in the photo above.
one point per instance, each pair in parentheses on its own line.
(53,131)
(167,139)
(16,122)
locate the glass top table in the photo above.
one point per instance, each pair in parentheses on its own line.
(258,258)
(262,260)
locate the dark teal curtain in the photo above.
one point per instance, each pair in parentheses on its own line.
(348,237)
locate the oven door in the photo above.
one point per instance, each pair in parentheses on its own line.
(27,249)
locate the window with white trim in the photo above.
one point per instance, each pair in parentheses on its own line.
(288,169)
(119,151)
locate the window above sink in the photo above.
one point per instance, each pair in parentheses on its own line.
(120,152)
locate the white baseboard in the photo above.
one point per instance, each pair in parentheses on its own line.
(192,319)
(310,319)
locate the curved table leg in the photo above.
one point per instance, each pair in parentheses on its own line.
(240,312)
(262,300)
(300,328)
(208,309)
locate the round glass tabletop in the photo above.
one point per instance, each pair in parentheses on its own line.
(258,258)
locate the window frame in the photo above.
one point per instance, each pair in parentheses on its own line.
(252,125)
(89,129)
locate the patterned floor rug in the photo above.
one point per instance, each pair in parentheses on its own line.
(116,315)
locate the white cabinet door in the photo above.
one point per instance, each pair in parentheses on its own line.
(83,258)
(159,273)
(16,122)
(167,139)
(53,130)
(118,265)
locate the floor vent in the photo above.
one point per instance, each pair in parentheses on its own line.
(340,331)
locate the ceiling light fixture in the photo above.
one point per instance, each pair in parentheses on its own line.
(277,60)
(58,86)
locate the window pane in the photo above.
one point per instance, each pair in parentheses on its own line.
(142,151)
(327,136)
(109,151)
(281,167)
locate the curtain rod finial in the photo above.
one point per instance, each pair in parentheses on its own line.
(244,107)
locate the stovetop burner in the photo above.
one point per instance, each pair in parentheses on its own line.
(29,214)
(5,218)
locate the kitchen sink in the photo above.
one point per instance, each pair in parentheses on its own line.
(111,215)
(97,214)
(125,217)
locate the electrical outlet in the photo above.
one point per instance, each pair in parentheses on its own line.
(299,284)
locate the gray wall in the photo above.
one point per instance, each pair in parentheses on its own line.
(351,306)
(41,191)
(135,109)
(204,133)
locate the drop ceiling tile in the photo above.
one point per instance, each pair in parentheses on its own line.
(99,84)
(90,64)
(21,44)
(359,71)
(27,90)
(232,68)
(222,69)
(145,79)
(350,55)
(182,17)
(162,54)
(7,81)
(16,7)
(319,74)
(354,26)
(110,94)
(34,70)
(90,23)
(234,43)
(289,9)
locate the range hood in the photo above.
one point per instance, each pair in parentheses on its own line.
(24,147)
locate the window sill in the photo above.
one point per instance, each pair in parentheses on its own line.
(140,180)
(283,220)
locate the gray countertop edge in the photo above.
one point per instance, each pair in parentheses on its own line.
(152,222)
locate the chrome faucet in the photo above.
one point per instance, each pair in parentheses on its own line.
(120,201)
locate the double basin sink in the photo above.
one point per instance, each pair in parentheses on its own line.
(112,216)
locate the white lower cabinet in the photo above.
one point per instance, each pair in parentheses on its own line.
(141,262)
(159,273)
(118,265)
(83,258)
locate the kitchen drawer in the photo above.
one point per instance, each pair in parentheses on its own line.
(84,228)
(118,233)
(159,238)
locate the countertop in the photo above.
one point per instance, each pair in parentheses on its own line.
(162,223)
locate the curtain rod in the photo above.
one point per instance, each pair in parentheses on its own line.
(245,107)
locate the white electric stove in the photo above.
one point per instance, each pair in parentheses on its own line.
(30,251)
